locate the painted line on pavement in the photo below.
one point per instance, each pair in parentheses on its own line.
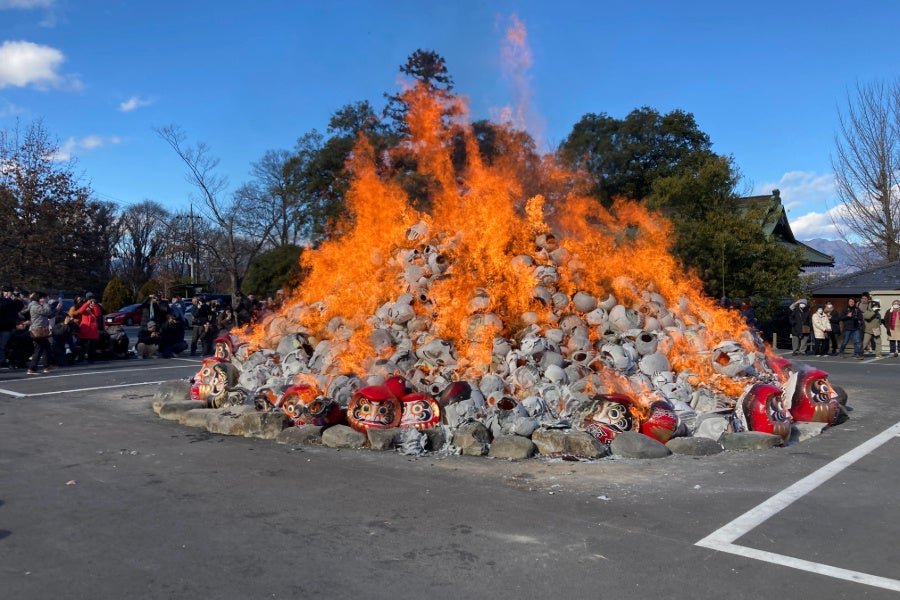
(94,389)
(61,373)
(723,538)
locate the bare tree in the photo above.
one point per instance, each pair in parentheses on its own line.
(244,220)
(275,182)
(866,168)
(140,251)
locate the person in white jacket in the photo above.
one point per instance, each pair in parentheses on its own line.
(821,326)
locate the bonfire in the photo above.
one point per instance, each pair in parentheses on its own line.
(519,311)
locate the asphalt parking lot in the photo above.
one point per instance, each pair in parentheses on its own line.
(100,498)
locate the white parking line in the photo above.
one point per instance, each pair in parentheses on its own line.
(64,373)
(60,374)
(93,389)
(723,538)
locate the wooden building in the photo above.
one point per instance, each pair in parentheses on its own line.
(777,228)
(882,283)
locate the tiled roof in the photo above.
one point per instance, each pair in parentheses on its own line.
(776,225)
(883,277)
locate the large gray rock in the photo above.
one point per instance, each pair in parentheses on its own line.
(584,445)
(561,442)
(198,417)
(383,439)
(342,436)
(630,444)
(472,439)
(265,425)
(801,431)
(436,438)
(694,446)
(750,440)
(229,421)
(514,447)
(172,391)
(302,435)
(550,442)
(172,411)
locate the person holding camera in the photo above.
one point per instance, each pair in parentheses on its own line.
(155,309)
(39,313)
(202,315)
(91,314)
(148,341)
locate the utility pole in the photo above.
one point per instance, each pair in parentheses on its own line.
(194,247)
(194,257)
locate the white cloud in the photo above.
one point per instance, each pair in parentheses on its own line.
(25,4)
(135,102)
(802,190)
(811,202)
(816,225)
(72,146)
(25,63)
(8,109)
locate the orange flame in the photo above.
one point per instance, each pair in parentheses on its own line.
(480,220)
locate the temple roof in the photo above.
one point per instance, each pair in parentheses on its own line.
(777,227)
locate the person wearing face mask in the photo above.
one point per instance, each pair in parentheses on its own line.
(872,333)
(821,326)
(800,326)
(892,324)
(865,306)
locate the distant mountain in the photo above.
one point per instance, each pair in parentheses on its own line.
(840,250)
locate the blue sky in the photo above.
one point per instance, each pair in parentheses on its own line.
(765,80)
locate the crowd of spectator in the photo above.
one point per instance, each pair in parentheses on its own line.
(824,330)
(39,333)
(827,331)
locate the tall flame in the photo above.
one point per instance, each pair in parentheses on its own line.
(479,223)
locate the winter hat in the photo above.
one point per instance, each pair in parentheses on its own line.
(151,324)
(89,295)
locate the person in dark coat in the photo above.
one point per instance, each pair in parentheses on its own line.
(63,341)
(148,340)
(800,327)
(20,346)
(172,337)
(851,323)
(155,309)
(9,316)
(834,316)
(201,318)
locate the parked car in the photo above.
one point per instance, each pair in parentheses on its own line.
(127,315)
(188,308)
(223,299)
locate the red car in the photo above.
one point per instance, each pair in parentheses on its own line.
(127,315)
